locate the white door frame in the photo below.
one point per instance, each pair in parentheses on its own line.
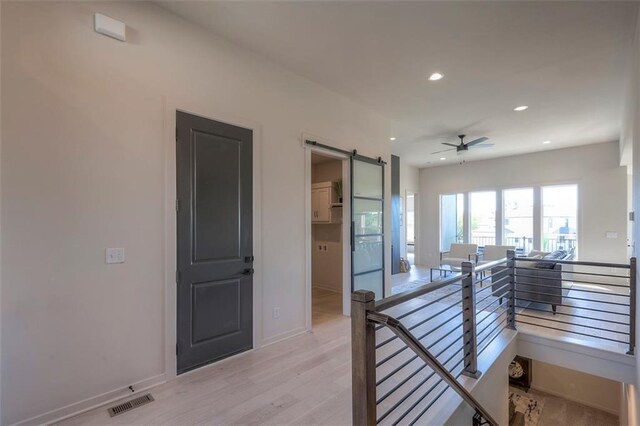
(346,228)
(205,110)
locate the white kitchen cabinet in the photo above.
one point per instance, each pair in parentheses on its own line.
(325,206)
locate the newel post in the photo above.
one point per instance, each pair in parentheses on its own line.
(363,359)
(511,300)
(470,336)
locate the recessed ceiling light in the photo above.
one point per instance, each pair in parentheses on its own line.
(520,108)
(436,76)
(392,139)
(546,142)
(443,158)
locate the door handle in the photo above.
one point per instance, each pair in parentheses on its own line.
(248,271)
(249,259)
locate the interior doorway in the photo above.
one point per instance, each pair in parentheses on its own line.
(410,226)
(327,237)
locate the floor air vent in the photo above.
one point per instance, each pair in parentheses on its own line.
(130,405)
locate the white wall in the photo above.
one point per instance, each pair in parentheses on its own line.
(602,185)
(631,127)
(83,168)
(409,182)
(586,389)
(1,411)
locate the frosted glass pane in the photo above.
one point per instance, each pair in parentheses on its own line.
(367,180)
(372,281)
(367,254)
(367,216)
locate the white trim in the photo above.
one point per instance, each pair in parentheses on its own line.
(346,229)
(578,400)
(89,404)
(171,105)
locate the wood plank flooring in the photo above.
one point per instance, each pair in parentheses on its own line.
(302,380)
(306,380)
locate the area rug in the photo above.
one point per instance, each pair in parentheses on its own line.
(530,408)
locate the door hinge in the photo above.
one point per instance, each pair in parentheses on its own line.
(177,205)
(177,348)
(177,277)
(176,134)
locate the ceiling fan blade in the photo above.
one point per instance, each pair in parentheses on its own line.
(477,141)
(444,150)
(484,145)
(450,144)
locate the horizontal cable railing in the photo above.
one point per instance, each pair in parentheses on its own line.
(585,300)
(410,348)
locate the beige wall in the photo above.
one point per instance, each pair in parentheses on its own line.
(602,186)
(327,264)
(83,168)
(586,389)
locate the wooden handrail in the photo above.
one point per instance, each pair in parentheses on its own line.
(410,340)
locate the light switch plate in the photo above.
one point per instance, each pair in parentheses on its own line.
(115,255)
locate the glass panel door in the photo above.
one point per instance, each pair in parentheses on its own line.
(367,225)
(560,218)
(482,215)
(517,212)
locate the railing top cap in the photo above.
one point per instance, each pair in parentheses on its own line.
(363,296)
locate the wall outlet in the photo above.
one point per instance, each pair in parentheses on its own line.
(319,247)
(115,255)
(276,313)
(324,247)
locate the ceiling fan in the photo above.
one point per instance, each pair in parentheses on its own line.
(461,147)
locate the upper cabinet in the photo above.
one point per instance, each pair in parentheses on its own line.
(325,204)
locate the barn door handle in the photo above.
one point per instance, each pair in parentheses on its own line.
(249,259)
(248,271)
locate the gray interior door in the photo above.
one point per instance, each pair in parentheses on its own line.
(367,225)
(214,241)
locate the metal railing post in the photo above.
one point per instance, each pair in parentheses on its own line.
(363,358)
(511,300)
(469,337)
(632,306)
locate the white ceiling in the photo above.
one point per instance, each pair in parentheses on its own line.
(567,60)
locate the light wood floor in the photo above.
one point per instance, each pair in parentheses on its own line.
(302,380)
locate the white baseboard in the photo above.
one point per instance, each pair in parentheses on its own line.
(578,400)
(80,407)
(283,336)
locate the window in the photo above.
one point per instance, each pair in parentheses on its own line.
(559,217)
(451,220)
(482,218)
(517,227)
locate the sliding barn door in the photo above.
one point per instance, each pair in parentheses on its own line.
(367,225)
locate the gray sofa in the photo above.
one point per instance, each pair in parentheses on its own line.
(536,281)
